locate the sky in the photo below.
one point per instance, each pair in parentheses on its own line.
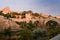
(51,7)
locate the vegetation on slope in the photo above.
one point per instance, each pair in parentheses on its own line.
(30,30)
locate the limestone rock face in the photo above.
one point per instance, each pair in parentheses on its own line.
(6,23)
(53,19)
(6,10)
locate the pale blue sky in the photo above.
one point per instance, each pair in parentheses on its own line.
(43,6)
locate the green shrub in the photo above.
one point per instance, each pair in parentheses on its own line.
(26,35)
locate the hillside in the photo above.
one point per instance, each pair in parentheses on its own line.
(6,23)
(27,25)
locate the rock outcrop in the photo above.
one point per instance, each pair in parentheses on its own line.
(6,23)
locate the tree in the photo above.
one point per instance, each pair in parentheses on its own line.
(26,25)
(39,34)
(22,24)
(1,13)
(36,24)
(29,11)
(30,26)
(36,14)
(26,35)
(7,32)
(14,13)
(7,15)
(53,29)
(23,14)
(53,32)
(51,24)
